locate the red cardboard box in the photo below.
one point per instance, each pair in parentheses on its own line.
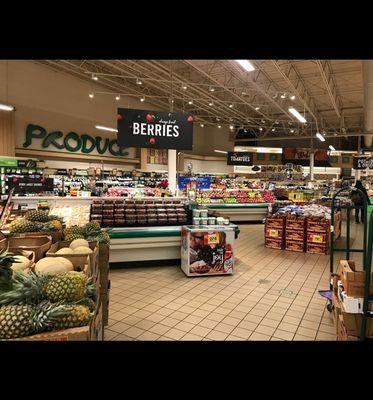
(273,243)
(295,234)
(294,245)
(314,248)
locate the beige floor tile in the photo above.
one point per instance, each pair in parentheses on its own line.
(155,317)
(165,311)
(266,330)
(191,336)
(159,329)
(291,320)
(285,335)
(274,316)
(325,336)
(302,338)
(309,324)
(242,333)
(120,327)
(133,332)
(118,316)
(200,313)
(170,322)
(179,315)
(253,318)
(200,330)
(187,309)
(231,321)
(131,320)
(221,327)
(122,338)
(233,338)
(165,339)
(174,333)
(151,307)
(307,332)
(217,335)
(259,336)
(193,319)
(248,325)
(145,324)
(184,326)
(173,306)
(327,329)
(284,326)
(215,316)
(148,336)
(142,313)
(259,313)
(208,323)
(270,322)
(109,335)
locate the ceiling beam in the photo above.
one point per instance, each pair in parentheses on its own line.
(330,85)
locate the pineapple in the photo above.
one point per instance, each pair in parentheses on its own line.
(92,229)
(50,226)
(21,226)
(38,216)
(24,320)
(56,224)
(67,287)
(87,302)
(6,272)
(74,230)
(73,236)
(53,217)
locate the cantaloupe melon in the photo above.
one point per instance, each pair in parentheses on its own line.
(79,243)
(53,266)
(21,264)
(82,250)
(65,250)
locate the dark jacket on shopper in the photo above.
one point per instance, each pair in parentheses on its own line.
(356,196)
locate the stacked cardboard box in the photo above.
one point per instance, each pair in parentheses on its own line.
(295,237)
(274,232)
(348,292)
(318,230)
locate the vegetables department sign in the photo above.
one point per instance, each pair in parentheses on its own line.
(240,158)
(155,129)
(71,142)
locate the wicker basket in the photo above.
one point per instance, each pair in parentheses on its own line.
(38,244)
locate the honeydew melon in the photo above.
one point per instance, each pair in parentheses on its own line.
(65,250)
(53,266)
(82,250)
(79,243)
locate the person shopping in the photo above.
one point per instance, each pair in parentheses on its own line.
(358,200)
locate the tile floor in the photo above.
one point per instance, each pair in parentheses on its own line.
(272,295)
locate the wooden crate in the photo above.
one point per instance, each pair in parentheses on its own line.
(38,244)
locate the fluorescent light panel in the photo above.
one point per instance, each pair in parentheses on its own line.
(246,65)
(331,148)
(105,128)
(297,115)
(6,107)
(320,137)
(221,151)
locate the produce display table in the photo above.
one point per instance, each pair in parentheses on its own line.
(144,244)
(240,212)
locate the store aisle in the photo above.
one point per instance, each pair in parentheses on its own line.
(271,296)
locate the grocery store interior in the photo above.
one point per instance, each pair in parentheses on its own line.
(186,200)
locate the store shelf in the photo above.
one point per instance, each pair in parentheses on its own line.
(242,205)
(157,231)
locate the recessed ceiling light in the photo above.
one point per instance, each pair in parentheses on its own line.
(184,87)
(320,137)
(291,130)
(292,97)
(231,105)
(219,126)
(276,122)
(211,103)
(246,65)
(257,108)
(231,127)
(142,99)
(117,98)
(217,118)
(273,129)
(91,95)
(262,121)
(331,147)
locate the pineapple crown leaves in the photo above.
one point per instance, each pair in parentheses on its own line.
(47,313)
(6,272)
(7,258)
(53,217)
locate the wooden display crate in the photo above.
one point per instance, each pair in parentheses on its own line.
(38,244)
(55,235)
(273,243)
(93,268)
(317,225)
(294,245)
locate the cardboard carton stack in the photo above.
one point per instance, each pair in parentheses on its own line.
(295,234)
(318,231)
(348,294)
(275,232)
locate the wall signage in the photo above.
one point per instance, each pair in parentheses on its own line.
(155,129)
(239,158)
(301,156)
(72,142)
(363,162)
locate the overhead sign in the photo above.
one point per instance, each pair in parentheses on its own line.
(363,162)
(155,129)
(239,158)
(301,156)
(201,182)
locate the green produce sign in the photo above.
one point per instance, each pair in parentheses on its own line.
(8,162)
(73,142)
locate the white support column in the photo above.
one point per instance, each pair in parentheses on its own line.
(312,163)
(172,184)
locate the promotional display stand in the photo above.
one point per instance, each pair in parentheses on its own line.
(207,250)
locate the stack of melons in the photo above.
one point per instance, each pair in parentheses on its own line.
(77,246)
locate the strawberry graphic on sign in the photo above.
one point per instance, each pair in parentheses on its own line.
(119,117)
(152,140)
(190,118)
(149,118)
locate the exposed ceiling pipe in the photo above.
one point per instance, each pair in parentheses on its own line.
(368,101)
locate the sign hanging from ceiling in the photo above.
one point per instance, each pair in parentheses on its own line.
(240,158)
(363,162)
(155,129)
(300,156)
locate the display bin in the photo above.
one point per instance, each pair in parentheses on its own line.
(295,223)
(342,334)
(317,238)
(55,235)
(318,225)
(26,253)
(276,233)
(353,281)
(273,243)
(314,248)
(275,223)
(294,245)
(352,324)
(38,244)
(93,268)
(80,263)
(295,234)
